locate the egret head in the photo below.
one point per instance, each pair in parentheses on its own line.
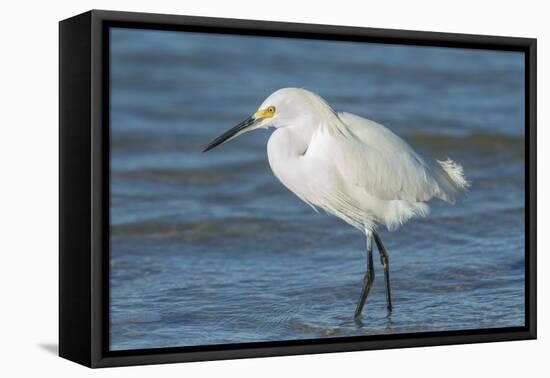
(276,111)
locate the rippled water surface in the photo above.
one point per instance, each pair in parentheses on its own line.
(211,248)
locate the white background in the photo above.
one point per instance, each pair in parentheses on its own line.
(29,187)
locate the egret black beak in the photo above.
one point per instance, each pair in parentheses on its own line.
(232,133)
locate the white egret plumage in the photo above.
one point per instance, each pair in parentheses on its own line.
(351,167)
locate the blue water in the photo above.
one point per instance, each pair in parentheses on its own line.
(211,248)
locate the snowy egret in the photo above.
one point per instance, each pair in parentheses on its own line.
(351,167)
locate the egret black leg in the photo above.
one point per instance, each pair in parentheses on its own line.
(384,259)
(367,279)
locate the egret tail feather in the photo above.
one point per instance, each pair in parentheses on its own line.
(454,173)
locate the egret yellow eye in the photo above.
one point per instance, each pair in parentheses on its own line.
(265,113)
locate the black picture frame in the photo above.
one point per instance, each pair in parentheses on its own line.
(84,188)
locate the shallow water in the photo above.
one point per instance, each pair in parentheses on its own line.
(211,248)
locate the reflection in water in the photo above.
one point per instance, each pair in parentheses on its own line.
(388,323)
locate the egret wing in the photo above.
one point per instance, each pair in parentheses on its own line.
(369,155)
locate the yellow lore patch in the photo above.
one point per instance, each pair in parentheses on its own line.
(265,113)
